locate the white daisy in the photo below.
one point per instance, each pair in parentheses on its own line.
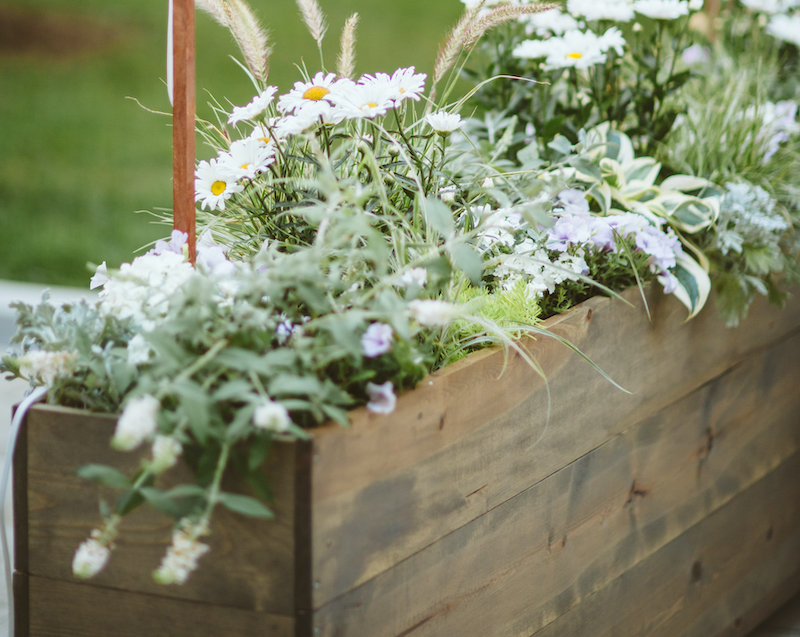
(532,49)
(616,10)
(296,124)
(786,28)
(365,100)
(248,157)
(265,135)
(551,21)
(662,9)
(764,6)
(443,122)
(576,49)
(214,184)
(257,106)
(318,93)
(406,83)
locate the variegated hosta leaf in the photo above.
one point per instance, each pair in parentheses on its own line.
(685,212)
(694,285)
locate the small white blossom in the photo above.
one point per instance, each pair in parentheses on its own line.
(272,416)
(444,122)
(166,451)
(137,422)
(433,312)
(183,554)
(382,399)
(48,366)
(90,558)
(377,340)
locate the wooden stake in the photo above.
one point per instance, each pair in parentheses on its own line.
(183,112)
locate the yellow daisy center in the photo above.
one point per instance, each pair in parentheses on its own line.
(315,93)
(266,140)
(371,105)
(575,56)
(244,166)
(218,187)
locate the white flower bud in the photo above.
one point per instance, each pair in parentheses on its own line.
(272,416)
(90,558)
(433,312)
(166,452)
(183,554)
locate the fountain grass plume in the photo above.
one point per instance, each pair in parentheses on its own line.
(346,64)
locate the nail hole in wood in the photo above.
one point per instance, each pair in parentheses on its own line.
(589,314)
(770,533)
(697,571)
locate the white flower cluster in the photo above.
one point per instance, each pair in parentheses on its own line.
(323,98)
(90,558)
(137,422)
(532,263)
(48,366)
(183,554)
(573,49)
(141,290)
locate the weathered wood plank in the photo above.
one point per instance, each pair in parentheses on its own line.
(529,560)
(754,537)
(404,481)
(82,610)
(251,564)
(21,625)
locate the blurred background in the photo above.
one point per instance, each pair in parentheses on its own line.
(82,166)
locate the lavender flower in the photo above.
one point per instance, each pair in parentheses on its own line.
(377,340)
(382,399)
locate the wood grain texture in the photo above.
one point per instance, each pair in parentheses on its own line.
(714,570)
(20,584)
(531,559)
(82,610)
(183,112)
(466,441)
(251,564)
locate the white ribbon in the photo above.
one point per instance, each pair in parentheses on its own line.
(16,423)
(170,48)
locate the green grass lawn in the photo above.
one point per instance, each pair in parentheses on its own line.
(78,159)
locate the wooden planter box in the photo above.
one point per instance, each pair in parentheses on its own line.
(673,510)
